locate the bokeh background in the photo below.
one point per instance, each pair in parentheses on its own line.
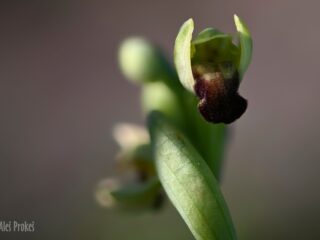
(62,91)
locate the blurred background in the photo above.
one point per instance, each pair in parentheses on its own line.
(62,91)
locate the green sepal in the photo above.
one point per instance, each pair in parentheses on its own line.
(182,55)
(137,196)
(246,45)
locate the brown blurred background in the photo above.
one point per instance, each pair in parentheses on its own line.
(61,92)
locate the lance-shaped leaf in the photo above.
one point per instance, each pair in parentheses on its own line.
(189,183)
(245,45)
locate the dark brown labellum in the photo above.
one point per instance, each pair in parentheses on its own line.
(220,101)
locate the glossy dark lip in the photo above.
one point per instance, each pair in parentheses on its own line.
(220,101)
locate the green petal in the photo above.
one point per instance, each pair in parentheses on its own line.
(182,55)
(189,183)
(245,45)
(207,35)
(214,50)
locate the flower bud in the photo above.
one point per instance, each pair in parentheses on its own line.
(142,62)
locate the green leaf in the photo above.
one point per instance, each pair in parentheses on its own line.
(189,183)
(245,45)
(182,55)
